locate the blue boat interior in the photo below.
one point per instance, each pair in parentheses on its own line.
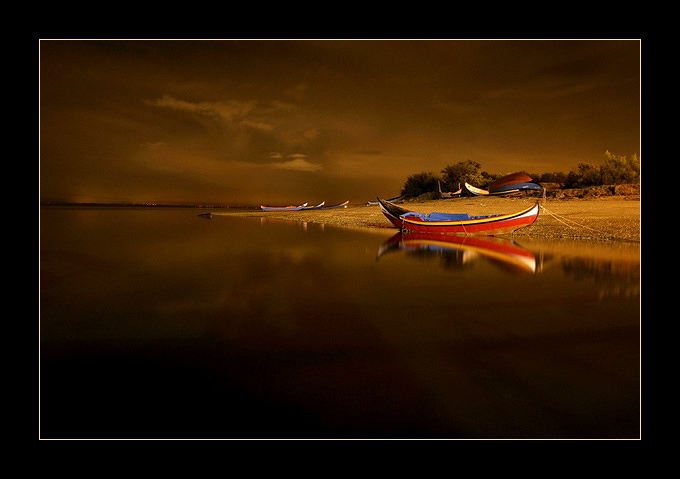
(441,216)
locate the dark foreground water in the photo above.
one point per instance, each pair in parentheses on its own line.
(155,323)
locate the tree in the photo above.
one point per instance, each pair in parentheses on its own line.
(585,175)
(619,169)
(461,172)
(420,183)
(554,177)
(616,170)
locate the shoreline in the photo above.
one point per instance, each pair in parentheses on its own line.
(611,218)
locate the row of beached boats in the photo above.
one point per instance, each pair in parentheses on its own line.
(450,223)
(438,223)
(304,206)
(509,184)
(462,223)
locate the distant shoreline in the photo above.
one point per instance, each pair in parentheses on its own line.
(588,193)
(63,204)
(605,218)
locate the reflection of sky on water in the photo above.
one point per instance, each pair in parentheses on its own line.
(302,329)
(612,278)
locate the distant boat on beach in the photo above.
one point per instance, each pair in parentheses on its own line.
(283,208)
(512,183)
(317,207)
(474,191)
(340,205)
(304,207)
(448,194)
(391,200)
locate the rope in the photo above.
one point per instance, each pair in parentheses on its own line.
(557,217)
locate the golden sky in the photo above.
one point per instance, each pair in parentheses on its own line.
(278,121)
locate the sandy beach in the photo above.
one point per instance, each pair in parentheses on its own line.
(610,218)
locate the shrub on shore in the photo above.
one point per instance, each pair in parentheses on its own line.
(616,170)
(596,191)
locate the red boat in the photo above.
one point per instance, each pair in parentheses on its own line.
(456,223)
(513,183)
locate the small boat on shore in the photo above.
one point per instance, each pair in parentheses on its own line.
(457,223)
(283,208)
(474,191)
(508,184)
(340,205)
(391,200)
(317,207)
(448,194)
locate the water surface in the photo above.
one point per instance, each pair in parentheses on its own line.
(155,323)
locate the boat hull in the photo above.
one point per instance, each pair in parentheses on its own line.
(332,207)
(392,212)
(511,188)
(317,207)
(489,225)
(475,191)
(283,208)
(513,183)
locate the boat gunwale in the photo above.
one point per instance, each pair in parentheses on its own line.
(473,221)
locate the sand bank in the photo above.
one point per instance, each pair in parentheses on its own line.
(612,218)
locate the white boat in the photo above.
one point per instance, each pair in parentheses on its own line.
(475,191)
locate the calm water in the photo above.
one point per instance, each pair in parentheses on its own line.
(161,324)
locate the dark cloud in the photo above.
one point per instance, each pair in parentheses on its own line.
(267,121)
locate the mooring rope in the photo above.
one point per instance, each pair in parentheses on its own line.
(600,232)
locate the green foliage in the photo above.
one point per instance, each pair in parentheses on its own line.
(619,169)
(419,184)
(585,175)
(459,173)
(616,170)
(554,177)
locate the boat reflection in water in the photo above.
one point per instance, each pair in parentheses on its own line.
(460,251)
